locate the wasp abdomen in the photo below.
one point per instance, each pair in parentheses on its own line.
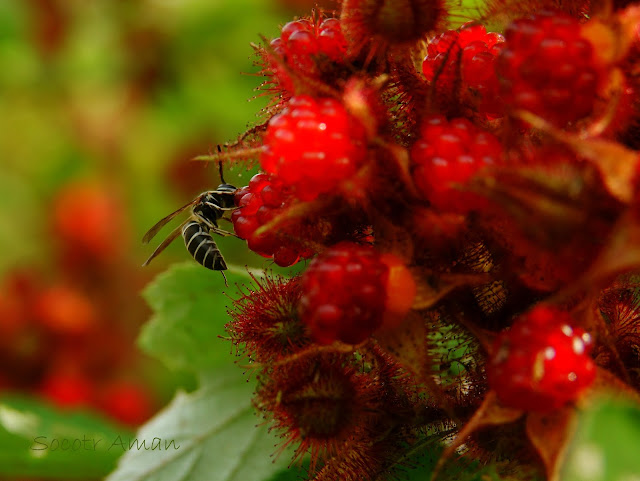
(202,247)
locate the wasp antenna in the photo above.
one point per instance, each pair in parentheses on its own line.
(225,278)
(220,165)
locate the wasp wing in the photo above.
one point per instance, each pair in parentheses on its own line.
(156,228)
(165,243)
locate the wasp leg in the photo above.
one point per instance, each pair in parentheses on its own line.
(223,233)
(217,207)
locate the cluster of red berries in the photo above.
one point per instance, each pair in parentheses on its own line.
(59,340)
(491,207)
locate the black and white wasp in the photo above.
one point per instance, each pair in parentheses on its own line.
(197,230)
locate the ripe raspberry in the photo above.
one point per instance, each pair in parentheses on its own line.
(312,145)
(351,290)
(462,64)
(260,202)
(68,390)
(301,45)
(451,153)
(65,310)
(548,69)
(89,220)
(127,402)
(541,363)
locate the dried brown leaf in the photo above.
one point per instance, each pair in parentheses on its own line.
(549,433)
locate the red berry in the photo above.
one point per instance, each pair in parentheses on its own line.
(261,201)
(68,390)
(465,60)
(541,363)
(547,68)
(449,153)
(300,45)
(346,293)
(90,221)
(127,402)
(312,145)
(65,310)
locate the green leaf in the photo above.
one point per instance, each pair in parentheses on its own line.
(189,305)
(214,436)
(606,446)
(39,441)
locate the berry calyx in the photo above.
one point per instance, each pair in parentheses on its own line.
(460,65)
(549,69)
(312,145)
(542,362)
(449,153)
(265,322)
(346,293)
(319,402)
(390,23)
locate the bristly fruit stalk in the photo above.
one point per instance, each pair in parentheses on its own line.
(465,192)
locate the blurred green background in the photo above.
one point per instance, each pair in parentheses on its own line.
(124,92)
(102,105)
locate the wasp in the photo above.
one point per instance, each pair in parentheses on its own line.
(197,230)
